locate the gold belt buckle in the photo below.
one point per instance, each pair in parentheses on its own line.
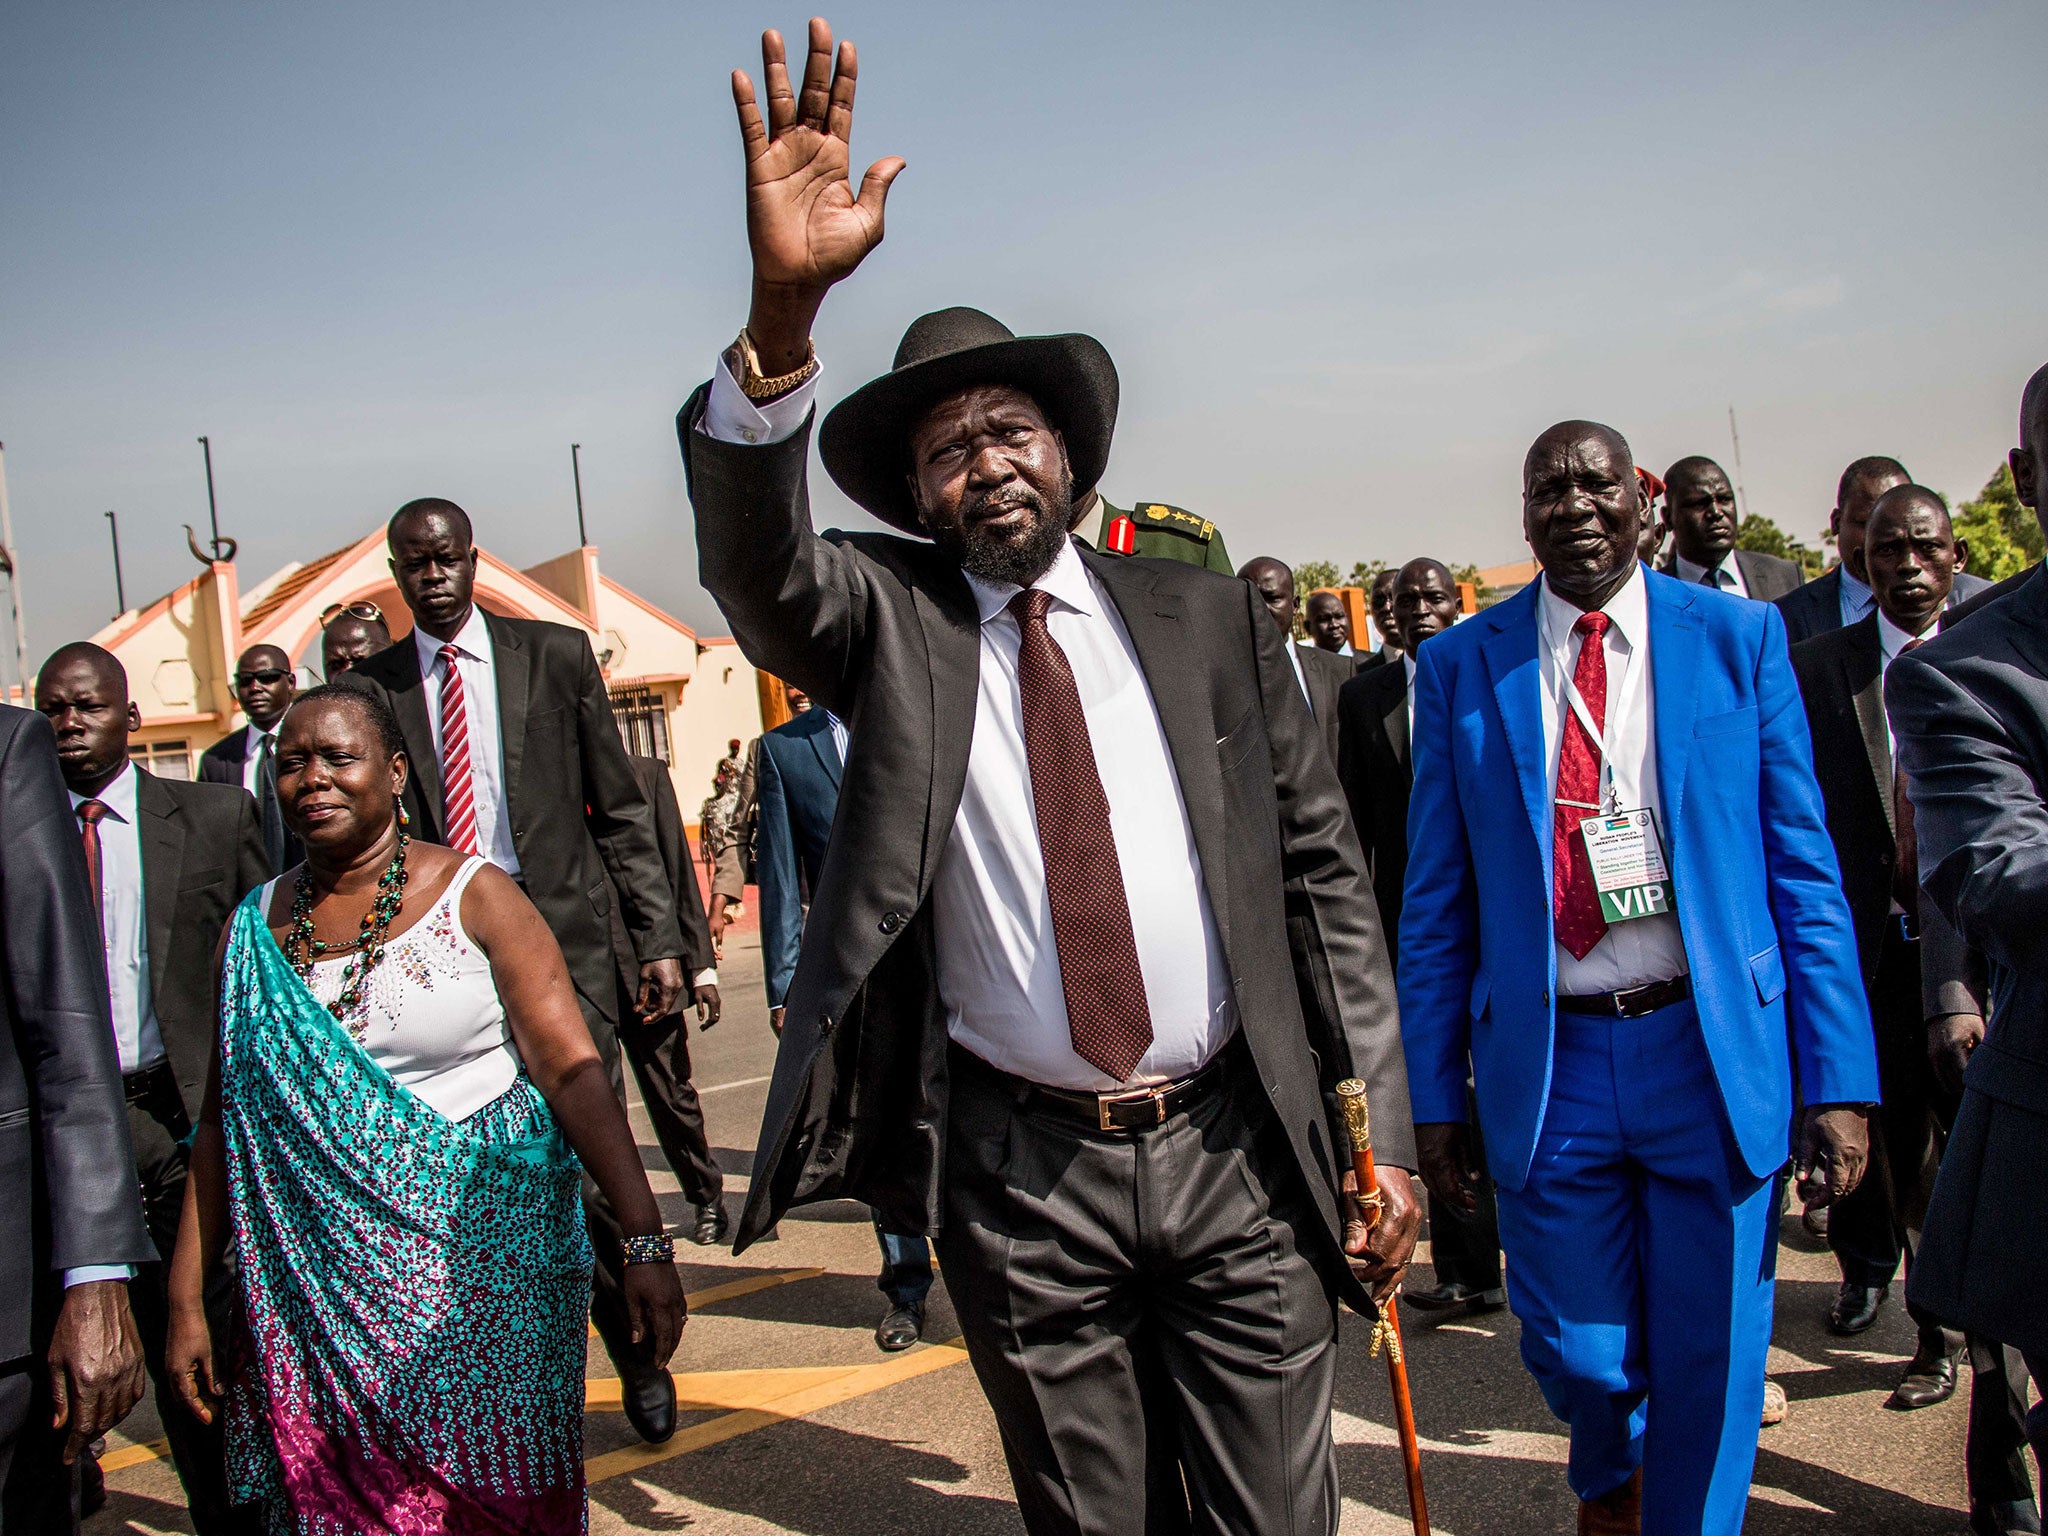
(1157,1096)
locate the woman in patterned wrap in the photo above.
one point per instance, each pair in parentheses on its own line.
(403,1074)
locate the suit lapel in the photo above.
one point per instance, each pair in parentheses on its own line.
(512,664)
(952,638)
(162,833)
(1863,672)
(415,723)
(1674,682)
(1393,711)
(1157,626)
(823,744)
(1510,653)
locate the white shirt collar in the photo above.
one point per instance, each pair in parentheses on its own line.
(1895,639)
(1628,612)
(1066,580)
(118,797)
(1687,571)
(472,640)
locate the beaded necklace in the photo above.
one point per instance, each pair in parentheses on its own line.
(302,949)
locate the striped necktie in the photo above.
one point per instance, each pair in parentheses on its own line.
(458,789)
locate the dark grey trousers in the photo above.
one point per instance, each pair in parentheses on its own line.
(1084,1264)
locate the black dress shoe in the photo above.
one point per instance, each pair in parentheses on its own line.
(649,1396)
(1855,1308)
(1449,1296)
(1488,1301)
(900,1328)
(1929,1379)
(711,1224)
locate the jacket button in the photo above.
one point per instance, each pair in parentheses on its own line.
(824,1023)
(891,921)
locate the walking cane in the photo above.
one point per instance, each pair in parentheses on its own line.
(1387,1329)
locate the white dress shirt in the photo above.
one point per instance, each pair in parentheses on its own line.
(1300,676)
(252,754)
(999,976)
(1727,575)
(1856,599)
(476,663)
(137,1040)
(1342,650)
(1644,949)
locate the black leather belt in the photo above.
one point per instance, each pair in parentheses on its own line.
(1134,1109)
(1631,1004)
(148,1082)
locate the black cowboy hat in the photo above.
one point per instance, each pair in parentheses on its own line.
(865,440)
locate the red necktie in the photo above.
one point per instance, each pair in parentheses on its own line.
(1107,1014)
(1905,838)
(89,814)
(1574,903)
(457,789)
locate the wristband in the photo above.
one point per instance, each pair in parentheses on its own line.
(756,387)
(650,1248)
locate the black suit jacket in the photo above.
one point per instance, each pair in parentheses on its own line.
(223,763)
(652,775)
(1326,675)
(1767,577)
(884,632)
(202,852)
(1373,766)
(580,820)
(1970,708)
(1840,674)
(67,1173)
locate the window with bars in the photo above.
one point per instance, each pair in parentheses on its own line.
(165,759)
(643,721)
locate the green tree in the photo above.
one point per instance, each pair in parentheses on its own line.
(1482,594)
(1313,574)
(1759,535)
(2003,536)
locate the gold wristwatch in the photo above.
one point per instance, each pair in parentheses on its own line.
(757,387)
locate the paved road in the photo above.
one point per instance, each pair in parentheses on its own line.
(797,1423)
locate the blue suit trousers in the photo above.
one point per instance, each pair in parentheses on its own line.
(1641,1263)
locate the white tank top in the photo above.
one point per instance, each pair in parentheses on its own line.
(432,1016)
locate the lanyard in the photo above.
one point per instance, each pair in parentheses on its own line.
(1610,802)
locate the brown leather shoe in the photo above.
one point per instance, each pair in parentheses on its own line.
(1618,1512)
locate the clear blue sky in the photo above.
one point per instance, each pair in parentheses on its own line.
(1349,259)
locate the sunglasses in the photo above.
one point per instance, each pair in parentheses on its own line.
(269,677)
(369,613)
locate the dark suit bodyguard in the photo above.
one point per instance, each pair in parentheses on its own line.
(1633,1036)
(171,860)
(516,756)
(1092,938)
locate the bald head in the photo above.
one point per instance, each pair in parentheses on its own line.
(1274,582)
(348,640)
(264,685)
(1911,553)
(2030,460)
(426,509)
(1860,486)
(83,691)
(1425,601)
(1699,504)
(1329,625)
(1582,510)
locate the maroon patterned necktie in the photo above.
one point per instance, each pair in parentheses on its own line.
(89,814)
(1574,901)
(1107,1014)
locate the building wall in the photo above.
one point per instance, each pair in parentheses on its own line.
(721,702)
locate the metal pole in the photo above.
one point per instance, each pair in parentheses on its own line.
(1741,496)
(212,507)
(120,591)
(10,561)
(576,469)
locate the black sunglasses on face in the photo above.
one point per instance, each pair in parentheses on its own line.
(269,677)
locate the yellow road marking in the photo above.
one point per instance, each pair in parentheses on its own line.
(135,1455)
(766,1397)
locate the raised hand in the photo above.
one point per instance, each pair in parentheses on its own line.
(806,227)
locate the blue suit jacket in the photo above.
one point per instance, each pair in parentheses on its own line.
(1759,899)
(797,797)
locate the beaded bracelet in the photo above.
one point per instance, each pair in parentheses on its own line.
(651,1248)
